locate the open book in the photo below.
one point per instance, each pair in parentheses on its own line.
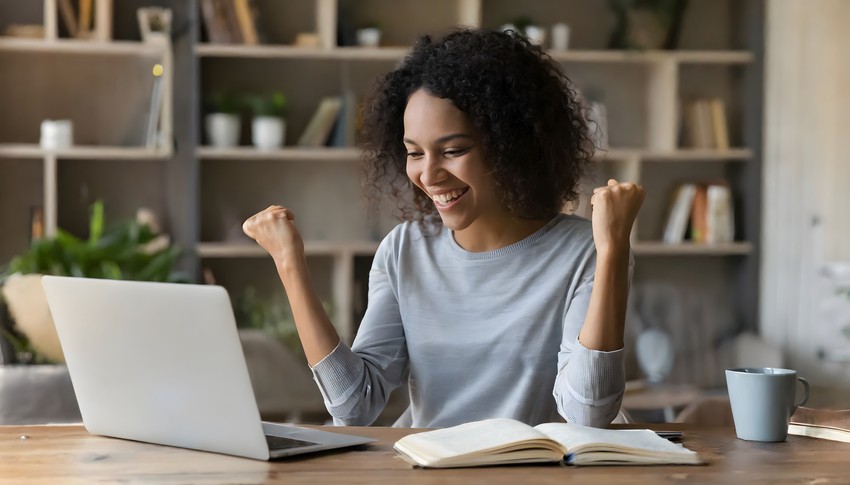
(507,441)
(826,424)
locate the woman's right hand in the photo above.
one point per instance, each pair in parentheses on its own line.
(274,230)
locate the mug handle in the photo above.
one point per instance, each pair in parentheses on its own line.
(805,394)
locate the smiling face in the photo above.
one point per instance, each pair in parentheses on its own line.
(445,159)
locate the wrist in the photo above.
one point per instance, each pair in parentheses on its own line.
(613,253)
(289,264)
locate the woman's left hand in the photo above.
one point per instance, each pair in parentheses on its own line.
(615,208)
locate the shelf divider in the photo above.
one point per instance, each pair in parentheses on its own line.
(662,104)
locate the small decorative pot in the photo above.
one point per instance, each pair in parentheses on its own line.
(223,129)
(268,132)
(369,37)
(536,34)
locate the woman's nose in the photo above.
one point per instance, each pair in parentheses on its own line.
(433,171)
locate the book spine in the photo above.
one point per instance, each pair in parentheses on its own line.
(246,22)
(677,220)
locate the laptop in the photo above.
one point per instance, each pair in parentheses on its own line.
(162,363)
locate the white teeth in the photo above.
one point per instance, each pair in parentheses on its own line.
(447,197)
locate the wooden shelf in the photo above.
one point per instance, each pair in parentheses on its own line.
(292,52)
(9,150)
(398,53)
(616,56)
(713,57)
(691,249)
(680,155)
(293,153)
(311,248)
(73,46)
(353,154)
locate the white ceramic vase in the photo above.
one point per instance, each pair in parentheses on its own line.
(223,129)
(536,34)
(268,132)
(655,354)
(28,307)
(369,37)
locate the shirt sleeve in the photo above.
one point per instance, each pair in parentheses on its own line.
(356,382)
(590,383)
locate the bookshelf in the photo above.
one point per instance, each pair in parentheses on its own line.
(52,77)
(719,55)
(203,193)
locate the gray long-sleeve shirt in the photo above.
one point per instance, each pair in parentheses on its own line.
(477,335)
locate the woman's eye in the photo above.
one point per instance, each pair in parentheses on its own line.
(414,154)
(456,152)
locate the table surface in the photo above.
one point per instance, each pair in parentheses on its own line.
(68,454)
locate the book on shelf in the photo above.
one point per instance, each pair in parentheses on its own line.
(85,20)
(214,13)
(230,21)
(701,213)
(36,223)
(720,216)
(679,213)
(344,129)
(319,127)
(825,424)
(705,124)
(719,128)
(69,17)
(507,441)
(229,9)
(244,13)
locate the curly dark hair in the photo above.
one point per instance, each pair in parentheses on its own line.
(534,130)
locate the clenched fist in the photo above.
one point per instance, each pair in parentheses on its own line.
(615,208)
(274,230)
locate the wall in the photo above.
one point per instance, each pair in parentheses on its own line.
(806,174)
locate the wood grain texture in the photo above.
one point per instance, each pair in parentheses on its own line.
(67,454)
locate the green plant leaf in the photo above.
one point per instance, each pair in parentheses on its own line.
(96,222)
(113,251)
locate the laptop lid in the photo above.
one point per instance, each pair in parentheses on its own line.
(157,362)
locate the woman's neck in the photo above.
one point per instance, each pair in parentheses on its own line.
(489,235)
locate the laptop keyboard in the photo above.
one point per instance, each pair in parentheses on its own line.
(278,443)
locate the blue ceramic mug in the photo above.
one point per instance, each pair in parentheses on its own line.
(763,400)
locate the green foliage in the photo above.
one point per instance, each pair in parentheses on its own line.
(667,15)
(224,101)
(114,252)
(522,22)
(271,315)
(271,104)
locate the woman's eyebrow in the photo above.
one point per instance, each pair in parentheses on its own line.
(443,139)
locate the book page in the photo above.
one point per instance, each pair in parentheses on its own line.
(819,431)
(457,444)
(627,443)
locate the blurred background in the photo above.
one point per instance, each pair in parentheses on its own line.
(136,136)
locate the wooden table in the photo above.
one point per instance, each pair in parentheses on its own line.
(67,454)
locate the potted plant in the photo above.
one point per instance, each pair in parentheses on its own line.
(130,250)
(127,250)
(369,35)
(524,25)
(268,126)
(646,24)
(222,122)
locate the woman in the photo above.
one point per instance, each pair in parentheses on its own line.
(487,301)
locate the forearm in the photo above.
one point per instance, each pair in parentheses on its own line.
(318,335)
(606,313)
(589,387)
